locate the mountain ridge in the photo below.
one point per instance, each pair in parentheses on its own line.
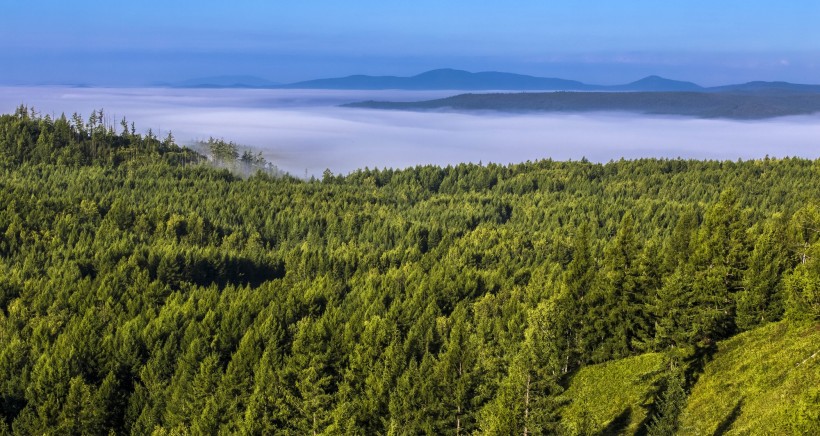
(444,79)
(455,79)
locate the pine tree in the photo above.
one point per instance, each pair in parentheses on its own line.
(802,288)
(668,405)
(455,373)
(81,414)
(760,299)
(618,299)
(720,263)
(578,279)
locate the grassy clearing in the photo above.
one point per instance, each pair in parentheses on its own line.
(612,397)
(765,381)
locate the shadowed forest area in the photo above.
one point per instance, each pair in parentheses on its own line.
(144,290)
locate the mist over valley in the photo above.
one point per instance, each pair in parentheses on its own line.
(305,131)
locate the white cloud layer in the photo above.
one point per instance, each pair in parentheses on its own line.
(303,131)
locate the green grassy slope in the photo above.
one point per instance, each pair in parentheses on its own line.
(765,381)
(612,397)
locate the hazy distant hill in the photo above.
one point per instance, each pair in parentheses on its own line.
(486,81)
(656,83)
(446,78)
(692,104)
(768,88)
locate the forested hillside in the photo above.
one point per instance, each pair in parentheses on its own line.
(738,104)
(144,291)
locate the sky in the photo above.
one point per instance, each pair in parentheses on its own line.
(149,41)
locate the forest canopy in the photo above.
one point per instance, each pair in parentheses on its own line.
(143,290)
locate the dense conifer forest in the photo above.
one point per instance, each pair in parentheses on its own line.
(145,291)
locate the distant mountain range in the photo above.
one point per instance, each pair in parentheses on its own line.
(450,79)
(444,79)
(650,95)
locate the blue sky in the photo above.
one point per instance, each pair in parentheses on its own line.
(149,41)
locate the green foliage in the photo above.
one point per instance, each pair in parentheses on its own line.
(759,300)
(802,284)
(28,137)
(140,293)
(668,405)
(221,150)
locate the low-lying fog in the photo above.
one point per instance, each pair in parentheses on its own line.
(303,131)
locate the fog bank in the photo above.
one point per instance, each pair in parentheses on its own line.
(303,130)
